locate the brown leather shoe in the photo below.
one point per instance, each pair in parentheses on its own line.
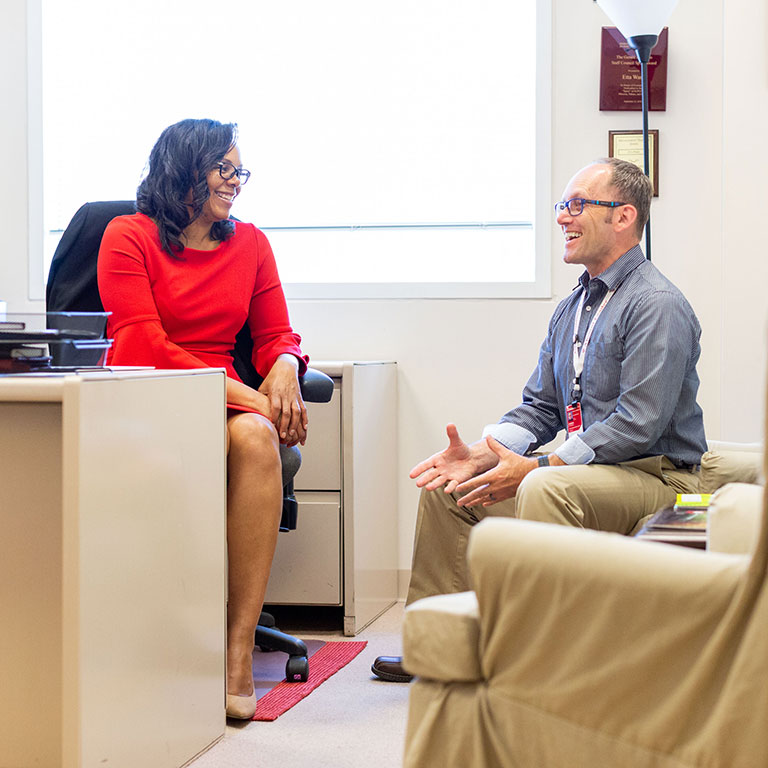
(390,668)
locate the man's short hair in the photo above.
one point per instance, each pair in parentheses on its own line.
(632,186)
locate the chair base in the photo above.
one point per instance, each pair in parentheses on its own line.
(269,638)
(290,515)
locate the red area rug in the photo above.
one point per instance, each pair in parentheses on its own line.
(324,662)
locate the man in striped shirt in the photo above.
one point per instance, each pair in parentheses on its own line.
(616,372)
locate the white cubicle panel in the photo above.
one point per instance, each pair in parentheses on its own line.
(112,568)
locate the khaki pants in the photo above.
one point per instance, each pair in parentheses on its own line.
(603,497)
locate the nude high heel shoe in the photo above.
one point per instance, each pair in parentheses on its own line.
(241,707)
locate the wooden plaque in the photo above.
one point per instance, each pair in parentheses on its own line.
(620,81)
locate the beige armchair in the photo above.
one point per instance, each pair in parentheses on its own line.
(580,649)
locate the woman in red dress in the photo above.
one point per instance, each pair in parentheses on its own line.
(181,279)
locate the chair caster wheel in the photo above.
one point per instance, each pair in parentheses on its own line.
(297,669)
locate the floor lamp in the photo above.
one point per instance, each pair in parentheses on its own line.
(641,22)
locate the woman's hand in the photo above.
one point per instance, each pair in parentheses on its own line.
(287,410)
(241,394)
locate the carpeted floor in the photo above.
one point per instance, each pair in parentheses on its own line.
(352,720)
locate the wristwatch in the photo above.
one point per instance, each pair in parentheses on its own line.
(543,461)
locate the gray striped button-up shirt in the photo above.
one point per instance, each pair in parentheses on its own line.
(639,382)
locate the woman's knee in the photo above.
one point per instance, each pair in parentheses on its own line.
(253,435)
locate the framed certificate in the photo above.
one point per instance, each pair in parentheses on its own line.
(628,145)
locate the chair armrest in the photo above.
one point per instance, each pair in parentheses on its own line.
(316,387)
(734,518)
(441,638)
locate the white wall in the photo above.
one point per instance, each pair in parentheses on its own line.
(466,361)
(743,275)
(13,139)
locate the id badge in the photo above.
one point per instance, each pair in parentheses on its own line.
(573,418)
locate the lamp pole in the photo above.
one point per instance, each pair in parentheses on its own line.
(641,23)
(643,45)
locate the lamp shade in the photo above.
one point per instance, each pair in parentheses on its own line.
(638,17)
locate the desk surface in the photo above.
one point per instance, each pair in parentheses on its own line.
(49,387)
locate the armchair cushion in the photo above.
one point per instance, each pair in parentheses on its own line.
(442,637)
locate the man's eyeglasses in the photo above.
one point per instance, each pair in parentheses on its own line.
(576,205)
(227,171)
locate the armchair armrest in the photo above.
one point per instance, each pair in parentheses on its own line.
(441,638)
(730,463)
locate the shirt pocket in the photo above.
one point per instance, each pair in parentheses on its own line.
(604,375)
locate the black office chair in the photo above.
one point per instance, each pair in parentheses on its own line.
(73,287)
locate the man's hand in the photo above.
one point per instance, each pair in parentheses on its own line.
(457,463)
(500,482)
(286,405)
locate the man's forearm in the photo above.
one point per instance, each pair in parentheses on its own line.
(482,458)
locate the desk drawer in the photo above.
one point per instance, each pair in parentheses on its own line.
(307,565)
(321,455)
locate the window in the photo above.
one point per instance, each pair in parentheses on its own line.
(394,146)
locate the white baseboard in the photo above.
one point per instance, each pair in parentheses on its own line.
(403,579)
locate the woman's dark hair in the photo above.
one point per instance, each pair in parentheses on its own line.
(178,164)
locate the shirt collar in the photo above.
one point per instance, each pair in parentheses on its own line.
(614,276)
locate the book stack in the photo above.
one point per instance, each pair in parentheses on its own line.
(684,523)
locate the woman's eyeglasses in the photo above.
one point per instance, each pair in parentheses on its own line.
(227,171)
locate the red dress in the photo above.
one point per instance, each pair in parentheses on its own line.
(185,312)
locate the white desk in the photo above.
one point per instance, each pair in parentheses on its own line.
(112,568)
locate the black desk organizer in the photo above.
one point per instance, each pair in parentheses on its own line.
(52,341)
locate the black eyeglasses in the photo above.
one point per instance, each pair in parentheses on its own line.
(227,171)
(576,205)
